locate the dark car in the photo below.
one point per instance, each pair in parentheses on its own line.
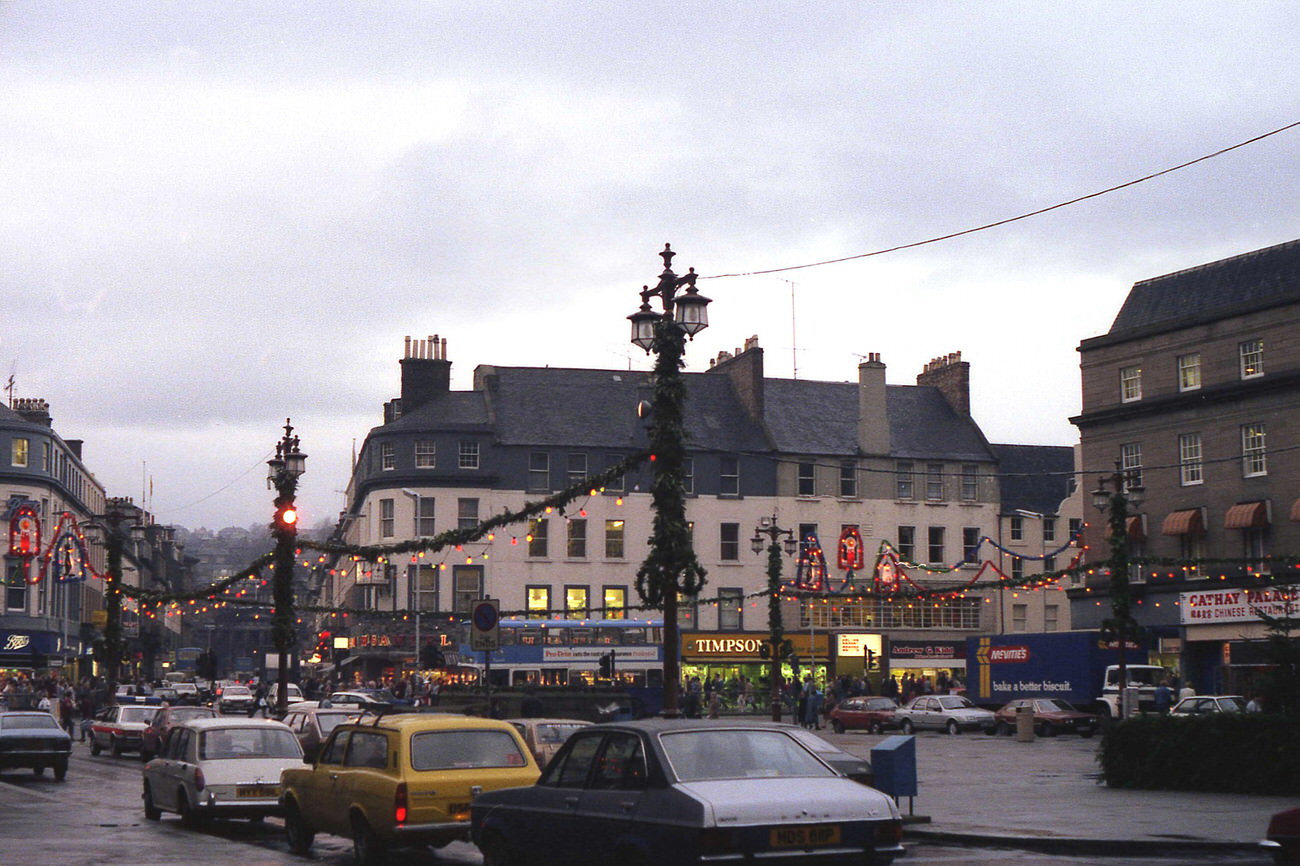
(311,723)
(857,769)
(1283,838)
(872,714)
(1052,716)
(675,791)
(32,739)
(163,720)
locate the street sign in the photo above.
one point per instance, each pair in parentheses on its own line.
(485,625)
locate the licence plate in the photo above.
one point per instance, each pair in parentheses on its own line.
(805,837)
(257,791)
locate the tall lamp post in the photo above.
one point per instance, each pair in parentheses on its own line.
(113,645)
(671,566)
(1113,496)
(776,539)
(283,472)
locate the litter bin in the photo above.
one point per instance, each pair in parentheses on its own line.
(893,761)
(1025,724)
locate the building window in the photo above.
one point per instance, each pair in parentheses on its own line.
(1130,384)
(615,602)
(47,455)
(1051,617)
(1017,568)
(424,522)
(1076,527)
(576,547)
(539,471)
(1049,529)
(1017,528)
(688,475)
(934,482)
(1189,459)
(729,542)
(1252,359)
(970,544)
(970,482)
(1191,549)
(807,479)
(848,480)
(426,454)
(576,602)
(467,513)
(907,543)
(1254,460)
(904,486)
(1130,457)
(577,470)
(538,600)
(729,476)
(1049,564)
(467,583)
(936,545)
(613,539)
(731,603)
(688,614)
(424,586)
(15,586)
(1189,371)
(537,530)
(808,541)
(467,455)
(386,528)
(387,456)
(21,452)
(1255,550)
(1019,617)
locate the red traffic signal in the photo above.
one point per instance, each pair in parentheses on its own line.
(286,517)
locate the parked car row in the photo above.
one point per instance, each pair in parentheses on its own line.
(956,713)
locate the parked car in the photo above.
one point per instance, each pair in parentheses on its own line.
(32,739)
(220,768)
(187,693)
(401,779)
(234,699)
(545,736)
(1283,838)
(672,791)
(1199,705)
(951,713)
(121,729)
(311,724)
(367,698)
(163,720)
(857,769)
(1052,716)
(873,714)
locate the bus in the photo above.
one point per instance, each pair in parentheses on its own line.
(567,652)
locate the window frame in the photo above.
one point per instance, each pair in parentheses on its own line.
(535,593)
(728,546)
(729,481)
(539,472)
(538,537)
(731,618)
(907,545)
(387,456)
(905,480)
(387,518)
(1191,459)
(1189,371)
(934,486)
(848,479)
(1130,383)
(615,538)
(575,538)
(468,455)
(806,478)
(425,454)
(1250,358)
(1254,450)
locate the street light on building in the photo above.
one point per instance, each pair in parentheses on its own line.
(776,539)
(283,472)
(1114,495)
(671,566)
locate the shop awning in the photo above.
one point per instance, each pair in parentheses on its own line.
(1246,515)
(1135,530)
(1295,510)
(1188,522)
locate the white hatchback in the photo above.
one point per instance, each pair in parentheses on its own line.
(220,768)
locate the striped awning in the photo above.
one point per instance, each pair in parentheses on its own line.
(1188,522)
(1135,530)
(1246,515)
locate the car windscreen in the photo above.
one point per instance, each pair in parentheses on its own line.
(731,754)
(183,714)
(137,714)
(226,743)
(555,733)
(461,750)
(27,723)
(955,702)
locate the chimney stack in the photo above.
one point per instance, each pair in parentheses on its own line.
(873,407)
(33,409)
(951,375)
(426,372)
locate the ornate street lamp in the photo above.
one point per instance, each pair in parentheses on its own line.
(112,525)
(1113,496)
(777,644)
(671,567)
(283,471)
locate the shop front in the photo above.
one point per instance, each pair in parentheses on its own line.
(931,665)
(735,659)
(1225,646)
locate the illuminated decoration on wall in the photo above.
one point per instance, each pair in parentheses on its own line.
(849,556)
(66,558)
(24,530)
(810,572)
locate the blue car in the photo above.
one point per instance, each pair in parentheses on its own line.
(674,791)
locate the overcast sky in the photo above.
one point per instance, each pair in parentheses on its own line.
(220,214)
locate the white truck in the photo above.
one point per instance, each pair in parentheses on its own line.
(1142,683)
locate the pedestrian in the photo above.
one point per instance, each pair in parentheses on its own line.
(1164,697)
(1186,691)
(259,702)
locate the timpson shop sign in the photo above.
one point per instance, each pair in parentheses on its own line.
(739,646)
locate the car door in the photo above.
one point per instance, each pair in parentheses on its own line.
(318,791)
(608,810)
(929,715)
(550,824)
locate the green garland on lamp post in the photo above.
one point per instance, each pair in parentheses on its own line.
(671,566)
(1113,496)
(283,472)
(778,647)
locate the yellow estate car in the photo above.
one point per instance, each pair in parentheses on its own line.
(401,779)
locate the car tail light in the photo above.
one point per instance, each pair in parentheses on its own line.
(399,804)
(198,779)
(889,832)
(717,840)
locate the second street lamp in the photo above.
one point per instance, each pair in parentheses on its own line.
(777,645)
(283,472)
(671,566)
(1113,496)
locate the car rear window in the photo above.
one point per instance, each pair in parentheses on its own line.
(461,750)
(731,754)
(224,743)
(23,723)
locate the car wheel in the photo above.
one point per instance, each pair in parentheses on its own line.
(953,728)
(907,727)
(367,848)
(1003,729)
(190,816)
(496,852)
(1086,732)
(95,748)
(874,727)
(151,811)
(1047,731)
(297,831)
(61,770)
(39,770)
(114,747)
(837,726)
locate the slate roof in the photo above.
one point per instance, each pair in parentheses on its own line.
(1034,478)
(1251,281)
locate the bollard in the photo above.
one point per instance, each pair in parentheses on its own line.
(1025,724)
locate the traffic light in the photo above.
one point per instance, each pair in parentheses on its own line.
(431,656)
(871,660)
(606,666)
(286,518)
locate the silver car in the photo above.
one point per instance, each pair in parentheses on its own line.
(951,713)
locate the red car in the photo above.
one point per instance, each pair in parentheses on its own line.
(1283,840)
(874,714)
(163,720)
(1052,716)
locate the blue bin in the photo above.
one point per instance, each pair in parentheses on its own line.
(893,762)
